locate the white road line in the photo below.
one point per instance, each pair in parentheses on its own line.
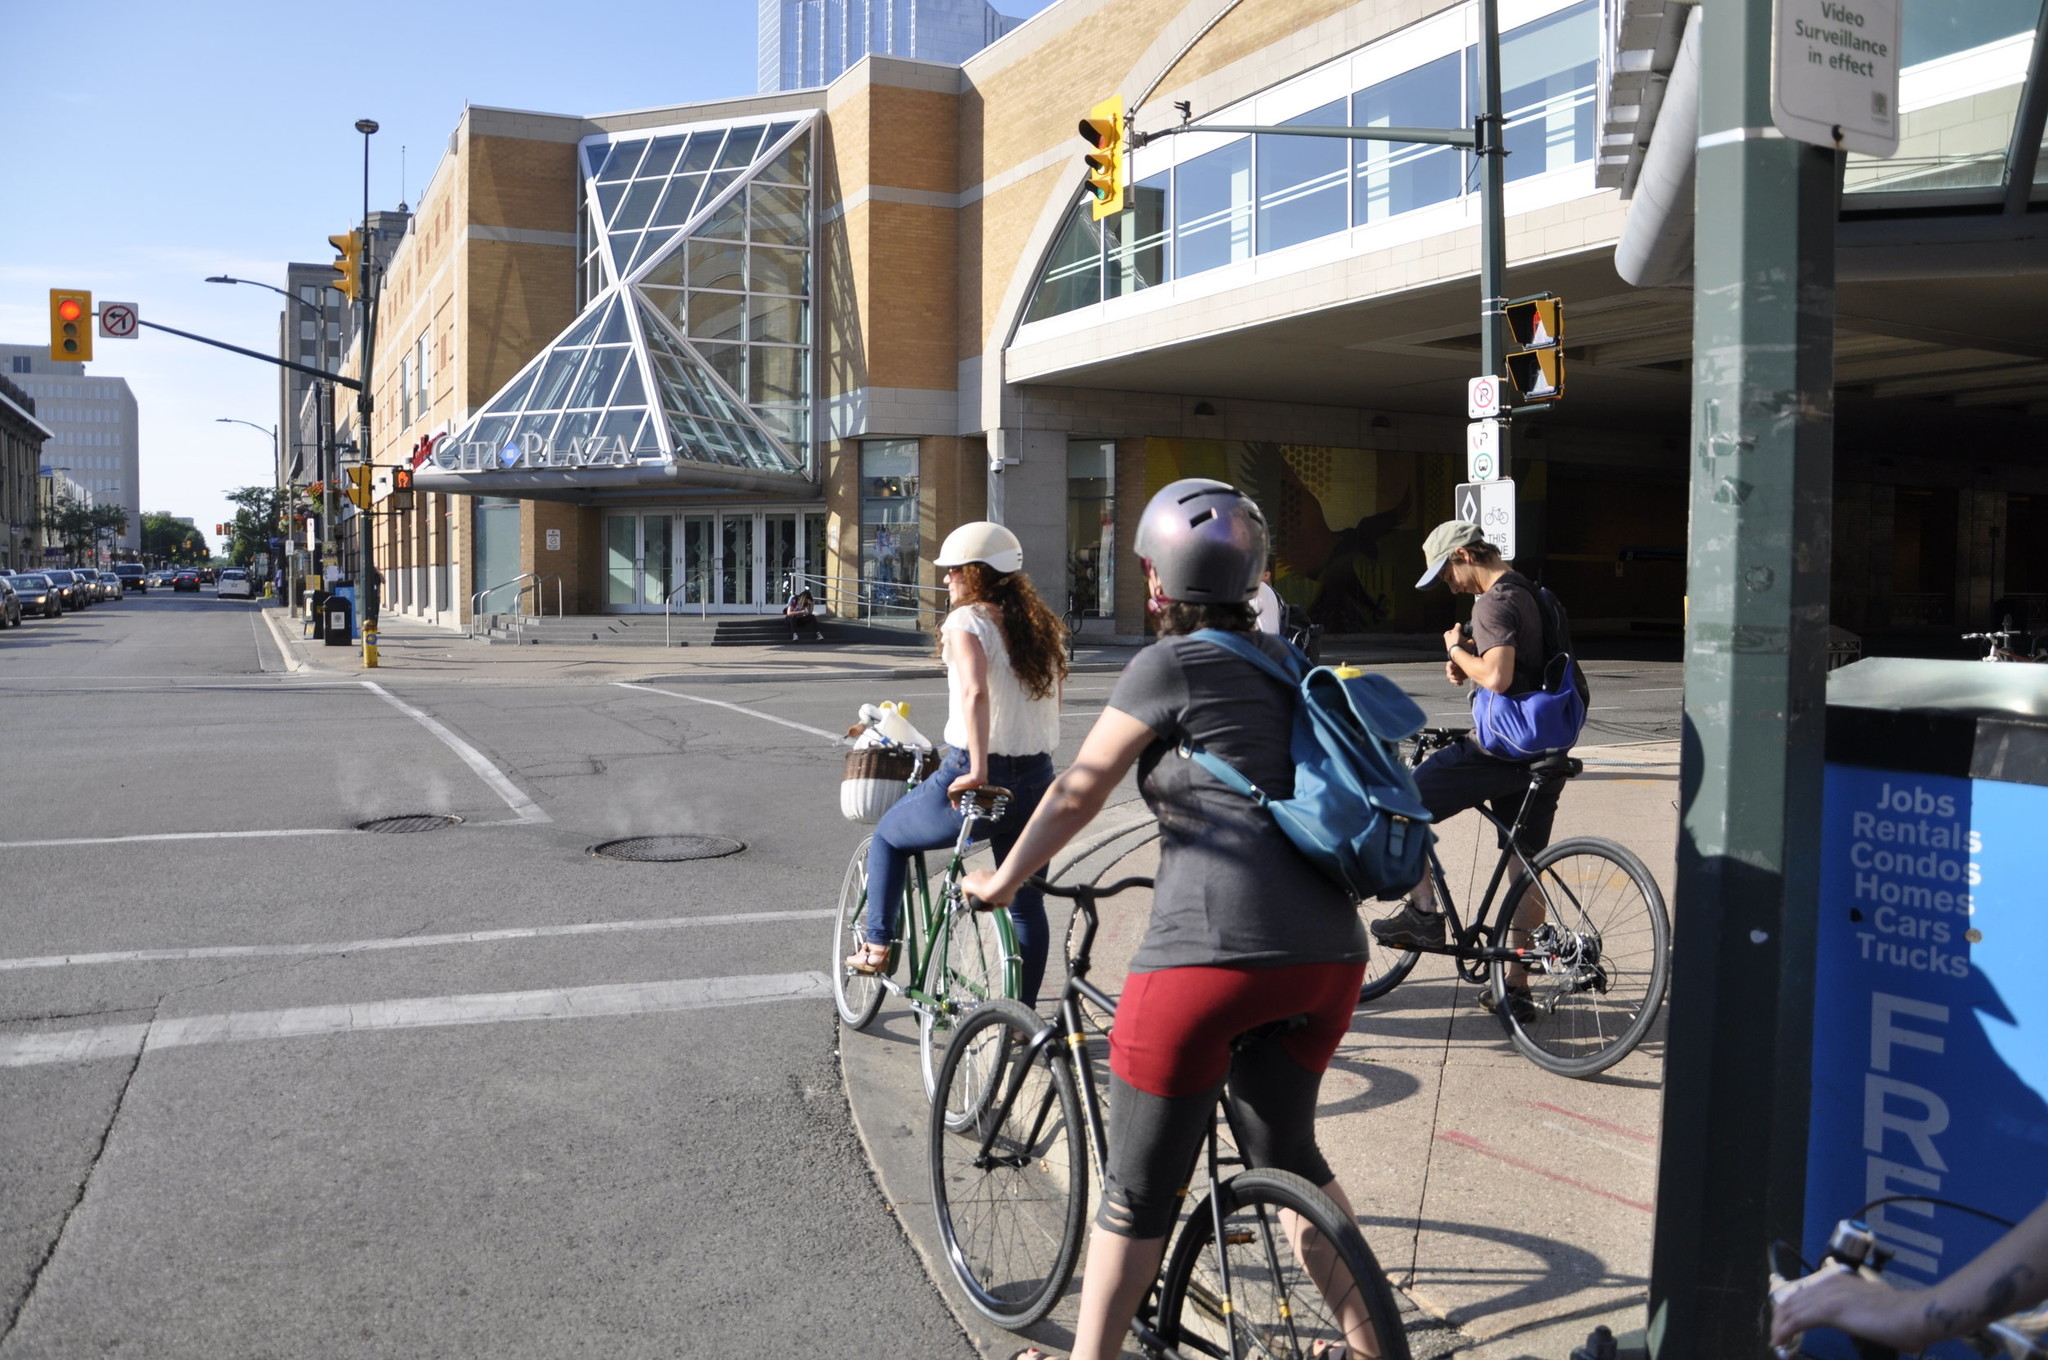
(250,951)
(737,708)
(184,836)
(486,1008)
(475,759)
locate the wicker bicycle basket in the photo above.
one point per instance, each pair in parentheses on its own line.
(876,777)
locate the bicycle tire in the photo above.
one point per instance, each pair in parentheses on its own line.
(1276,1305)
(1588,1011)
(1012,1228)
(858,995)
(1385,967)
(975,961)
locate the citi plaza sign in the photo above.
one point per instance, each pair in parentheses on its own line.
(529,450)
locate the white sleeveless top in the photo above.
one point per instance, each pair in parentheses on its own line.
(1018,725)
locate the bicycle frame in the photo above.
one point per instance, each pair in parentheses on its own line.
(1483,943)
(922,925)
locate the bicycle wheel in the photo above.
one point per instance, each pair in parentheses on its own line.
(1301,1278)
(977,962)
(1602,959)
(1385,967)
(858,995)
(1011,1220)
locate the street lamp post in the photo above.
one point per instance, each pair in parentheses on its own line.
(280,519)
(323,438)
(366,327)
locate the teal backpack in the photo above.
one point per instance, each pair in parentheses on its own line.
(1355,813)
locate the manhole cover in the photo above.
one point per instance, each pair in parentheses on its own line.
(416,821)
(668,849)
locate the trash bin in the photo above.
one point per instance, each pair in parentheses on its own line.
(339,612)
(316,605)
(1930,1019)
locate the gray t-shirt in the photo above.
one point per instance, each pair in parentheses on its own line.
(1508,616)
(1231,888)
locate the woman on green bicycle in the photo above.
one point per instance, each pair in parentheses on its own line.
(1005,654)
(1245,932)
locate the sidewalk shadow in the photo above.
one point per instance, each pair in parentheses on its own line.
(1557,1271)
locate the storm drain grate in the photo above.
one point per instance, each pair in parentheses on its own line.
(667,849)
(411,822)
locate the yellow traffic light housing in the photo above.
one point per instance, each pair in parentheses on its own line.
(1103,130)
(359,485)
(350,266)
(1536,366)
(70,325)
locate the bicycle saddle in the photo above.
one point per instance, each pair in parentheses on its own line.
(985,798)
(1558,767)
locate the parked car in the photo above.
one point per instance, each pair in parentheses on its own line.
(76,592)
(111,585)
(185,580)
(133,577)
(38,595)
(10,604)
(235,583)
(206,576)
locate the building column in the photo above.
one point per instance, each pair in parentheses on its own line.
(1027,493)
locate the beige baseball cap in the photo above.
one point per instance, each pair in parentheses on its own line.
(1444,540)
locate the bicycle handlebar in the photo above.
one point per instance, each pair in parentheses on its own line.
(1080,892)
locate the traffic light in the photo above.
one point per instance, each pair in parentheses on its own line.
(1536,367)
(70,325)
(1103,130)
(359,485)
(401,479)
(350,266)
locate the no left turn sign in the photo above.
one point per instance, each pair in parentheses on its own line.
(120,320)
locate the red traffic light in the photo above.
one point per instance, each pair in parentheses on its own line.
(69,309)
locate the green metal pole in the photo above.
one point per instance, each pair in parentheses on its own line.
(1732,1167)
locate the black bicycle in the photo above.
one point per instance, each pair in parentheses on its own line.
(1582,919)
(1267,1265)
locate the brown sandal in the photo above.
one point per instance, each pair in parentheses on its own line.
(870,960)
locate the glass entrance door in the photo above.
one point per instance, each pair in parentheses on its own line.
(639,562)
(782,553)
(736,584)
(733,560)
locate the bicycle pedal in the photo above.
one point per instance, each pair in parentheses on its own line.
(1240,1238)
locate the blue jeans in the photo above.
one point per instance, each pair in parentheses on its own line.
(925,820)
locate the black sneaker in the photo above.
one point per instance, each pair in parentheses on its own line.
(1519,1004)
(1411,928)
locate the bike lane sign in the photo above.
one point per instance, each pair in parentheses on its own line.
(1491,506)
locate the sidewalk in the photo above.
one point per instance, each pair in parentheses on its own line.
(1511,1207)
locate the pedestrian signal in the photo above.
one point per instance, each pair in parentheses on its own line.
(401,479)
(70,325)
(1537,366)
(1103,130)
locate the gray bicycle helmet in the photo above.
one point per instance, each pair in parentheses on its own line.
(1206,541)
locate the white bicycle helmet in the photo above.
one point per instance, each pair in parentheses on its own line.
(1206,541)
(982,541)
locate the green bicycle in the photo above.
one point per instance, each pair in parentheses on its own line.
(957,957)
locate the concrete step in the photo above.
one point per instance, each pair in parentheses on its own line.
(715,630)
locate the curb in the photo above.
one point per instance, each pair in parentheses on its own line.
(293,664)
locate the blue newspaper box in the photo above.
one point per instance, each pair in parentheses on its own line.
(1930,1028)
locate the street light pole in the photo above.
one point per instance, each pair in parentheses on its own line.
(277,506)
(366,304)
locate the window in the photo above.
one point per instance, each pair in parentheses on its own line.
(1073,276)
(1091,527)
(1398,177)
(1547,71)
(20,363)
(888,517)
(1302,182)
(1136,240)
(1212,209)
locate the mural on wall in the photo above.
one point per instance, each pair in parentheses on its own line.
(1347,524)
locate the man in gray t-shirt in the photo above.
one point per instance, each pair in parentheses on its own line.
(1504,653)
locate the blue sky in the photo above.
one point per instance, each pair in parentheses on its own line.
(149,145)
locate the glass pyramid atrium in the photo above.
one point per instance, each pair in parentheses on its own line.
(691,361)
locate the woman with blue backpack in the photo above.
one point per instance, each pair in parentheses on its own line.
(1245,929)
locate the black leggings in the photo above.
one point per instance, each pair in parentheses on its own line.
(1154,1140)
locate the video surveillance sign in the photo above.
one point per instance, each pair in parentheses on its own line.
(1835,73)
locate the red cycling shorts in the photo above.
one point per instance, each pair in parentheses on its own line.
(1174,1027)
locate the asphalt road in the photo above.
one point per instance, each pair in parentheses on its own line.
(273,1087)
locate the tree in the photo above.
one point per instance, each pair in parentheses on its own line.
(108,522)
(166,537)
(260,516)
(73,525)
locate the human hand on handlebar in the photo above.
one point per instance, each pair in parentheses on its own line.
(982,886)
(1835,1296)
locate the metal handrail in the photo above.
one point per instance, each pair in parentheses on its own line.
(867,595)
(476,601)
(668,605)
(540,601)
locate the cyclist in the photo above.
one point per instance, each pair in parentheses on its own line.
(1244,931)
(2010,1277)
(1005,655)
(1503,652)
